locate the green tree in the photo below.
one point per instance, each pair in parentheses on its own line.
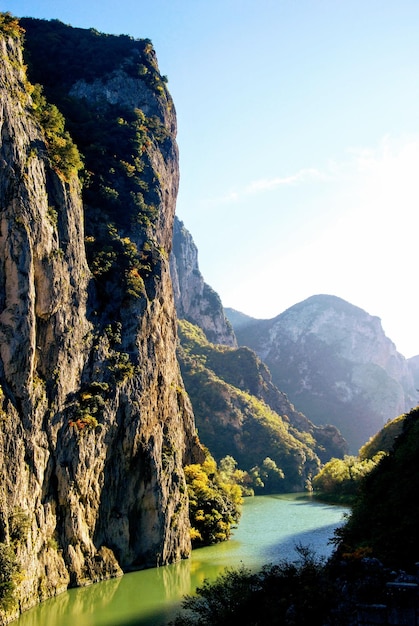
(340,479)
(214,503)
(64,155)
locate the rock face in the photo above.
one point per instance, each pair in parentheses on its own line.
(196,301)
(94,425)
(413,364)
(335,363)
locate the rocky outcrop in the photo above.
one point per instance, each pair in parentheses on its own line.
(335,363)
(196,301)
(94,426)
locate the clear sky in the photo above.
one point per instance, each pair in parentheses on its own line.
(299,143)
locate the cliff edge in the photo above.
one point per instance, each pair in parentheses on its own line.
(95,427)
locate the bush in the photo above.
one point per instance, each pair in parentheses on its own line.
(64,155)
(8,570)
(9,25)
(214,503)
(19,525)
(289,593)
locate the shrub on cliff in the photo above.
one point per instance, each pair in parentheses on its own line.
(9,25)
(8,570)
(63,152)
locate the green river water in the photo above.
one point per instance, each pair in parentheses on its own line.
(269,529)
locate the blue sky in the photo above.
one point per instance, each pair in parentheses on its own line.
(299,143)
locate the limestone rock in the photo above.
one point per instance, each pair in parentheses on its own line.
(94,429)
(335,363)
(196,301)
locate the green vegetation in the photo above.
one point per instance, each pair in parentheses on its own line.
(289,593)
(214,501)
(64,155)
(9,25)
(385,516)
(8,572)
(90,406)
(234,422)
(19,524)
(339,480)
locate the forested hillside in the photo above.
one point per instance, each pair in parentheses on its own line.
(239,412)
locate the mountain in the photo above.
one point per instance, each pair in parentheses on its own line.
(334,362)
(238,410)
(196,301)
(95,426)
(413,364)
(240,413)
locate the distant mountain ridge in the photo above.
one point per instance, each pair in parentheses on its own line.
(334,362)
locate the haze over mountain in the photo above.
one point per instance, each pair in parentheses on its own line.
(238,410)
(334,362)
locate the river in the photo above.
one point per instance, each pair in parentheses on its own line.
(269,530)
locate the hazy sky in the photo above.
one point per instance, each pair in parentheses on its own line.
(299,143)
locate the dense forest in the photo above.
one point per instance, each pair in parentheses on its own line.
(240,413)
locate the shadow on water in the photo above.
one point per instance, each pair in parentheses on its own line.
(317,540)
(271,527)
(307,524)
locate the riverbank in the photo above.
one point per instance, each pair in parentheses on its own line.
(269,530)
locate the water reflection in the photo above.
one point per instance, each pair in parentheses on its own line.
(116,601)
(270,528)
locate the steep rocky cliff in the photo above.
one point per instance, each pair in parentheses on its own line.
(94,425)
(196,301)
(335,363)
